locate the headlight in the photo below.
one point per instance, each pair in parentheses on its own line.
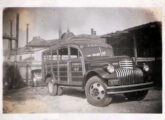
(110,68)
(146,68)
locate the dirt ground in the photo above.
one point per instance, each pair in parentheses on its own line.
(37,100)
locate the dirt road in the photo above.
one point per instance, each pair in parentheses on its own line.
(37,100)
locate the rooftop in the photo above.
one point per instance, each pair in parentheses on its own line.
(133,29)
(38,42)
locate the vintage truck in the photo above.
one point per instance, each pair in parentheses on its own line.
(87,63)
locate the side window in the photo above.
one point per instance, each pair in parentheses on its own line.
(49,55)
(63,53)
(46,56)
(74,53)
(54,55)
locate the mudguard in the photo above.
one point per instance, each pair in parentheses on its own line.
(50,75)
(102,73)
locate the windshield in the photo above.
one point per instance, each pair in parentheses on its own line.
(97,51)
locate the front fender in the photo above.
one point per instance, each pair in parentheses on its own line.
(100,72)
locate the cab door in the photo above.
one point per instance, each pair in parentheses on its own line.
(75,65)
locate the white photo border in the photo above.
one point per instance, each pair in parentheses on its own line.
(82,3)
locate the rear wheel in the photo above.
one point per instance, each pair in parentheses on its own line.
(52,89)
(34,82)
(60,91)
(95,91)
(139,95)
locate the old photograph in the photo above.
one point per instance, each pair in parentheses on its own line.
(82,60)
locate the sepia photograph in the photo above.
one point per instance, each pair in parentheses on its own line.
(82,60)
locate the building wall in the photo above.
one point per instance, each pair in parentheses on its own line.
(26,62)
(148,43)
(20,57)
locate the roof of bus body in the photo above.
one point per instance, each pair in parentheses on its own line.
(81,41)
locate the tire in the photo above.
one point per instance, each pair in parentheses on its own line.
(34,81)
(52,89)
(139,95)
(36,78)
(59,91)
(34,84)
(95,91)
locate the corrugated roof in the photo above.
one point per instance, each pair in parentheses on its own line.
(132,29)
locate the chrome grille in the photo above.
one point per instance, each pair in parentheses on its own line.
(126,64)
(129,76)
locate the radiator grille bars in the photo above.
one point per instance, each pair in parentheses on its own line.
(129,76)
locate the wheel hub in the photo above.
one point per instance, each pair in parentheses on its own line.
(97,91)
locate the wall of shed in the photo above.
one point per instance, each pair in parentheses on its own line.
(149,45)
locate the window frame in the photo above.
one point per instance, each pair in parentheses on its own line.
(59,56)
(79,54)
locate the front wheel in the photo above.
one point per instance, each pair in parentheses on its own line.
(95,91)
(139,95)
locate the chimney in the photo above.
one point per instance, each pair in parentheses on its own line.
(68,30)
(93,32)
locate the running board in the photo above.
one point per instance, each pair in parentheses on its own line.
(73,87)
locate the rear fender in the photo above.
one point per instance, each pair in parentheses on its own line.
(50,76)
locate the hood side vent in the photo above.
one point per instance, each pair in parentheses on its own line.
(126,64)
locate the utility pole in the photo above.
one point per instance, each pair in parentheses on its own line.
(17,38)
(17,30)
(11,34)
(27,39)
(135,48)
(27,34)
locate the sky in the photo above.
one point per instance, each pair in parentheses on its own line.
(45,22)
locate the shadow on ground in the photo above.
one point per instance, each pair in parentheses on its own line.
(73,92)
(81,94)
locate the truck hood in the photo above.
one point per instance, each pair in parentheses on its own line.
(96,62)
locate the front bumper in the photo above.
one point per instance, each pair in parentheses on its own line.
(129,88)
